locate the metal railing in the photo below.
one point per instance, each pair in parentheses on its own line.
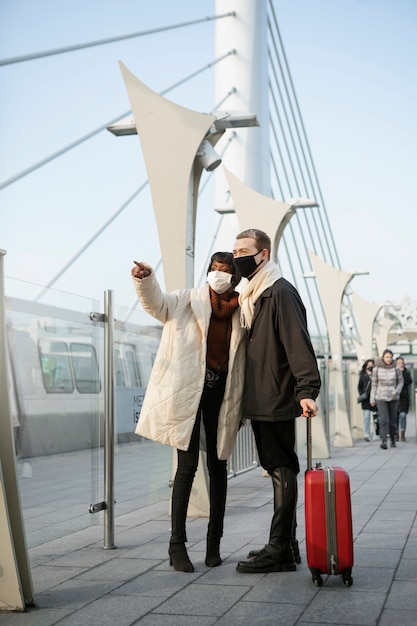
(244,456)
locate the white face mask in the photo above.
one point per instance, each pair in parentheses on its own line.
(220,282)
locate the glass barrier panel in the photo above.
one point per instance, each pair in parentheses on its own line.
(55,360)
(143,468)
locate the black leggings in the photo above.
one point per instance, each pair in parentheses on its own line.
(208,412)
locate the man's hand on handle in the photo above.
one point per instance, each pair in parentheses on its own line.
(309,407)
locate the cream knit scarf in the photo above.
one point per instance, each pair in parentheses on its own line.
(263,279)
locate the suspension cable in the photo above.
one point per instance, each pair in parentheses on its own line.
(303,129)
(101,42)
(89,242)
(98,130)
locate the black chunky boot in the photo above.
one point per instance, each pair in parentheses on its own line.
(295,549)
(277,555)
(294,542)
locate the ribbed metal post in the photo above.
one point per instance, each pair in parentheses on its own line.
(108,422)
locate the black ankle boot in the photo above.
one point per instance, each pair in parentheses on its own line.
(213,558)
(178,557)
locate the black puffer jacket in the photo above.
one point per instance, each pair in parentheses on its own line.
(364,384)
(404,403)
(281,367)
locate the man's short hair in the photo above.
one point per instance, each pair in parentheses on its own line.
(261,238)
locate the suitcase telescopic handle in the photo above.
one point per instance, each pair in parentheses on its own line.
(309,442)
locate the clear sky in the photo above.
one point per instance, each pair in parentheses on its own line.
(354,67)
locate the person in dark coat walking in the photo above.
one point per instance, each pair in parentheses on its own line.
(404,402)
(282,381)
(364,387)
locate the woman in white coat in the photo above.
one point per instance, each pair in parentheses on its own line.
(197,377)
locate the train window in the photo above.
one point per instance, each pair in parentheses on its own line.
(119,375)
(132,369)
(84,364)
(56,368)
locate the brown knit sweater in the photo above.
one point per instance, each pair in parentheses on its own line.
(220,330)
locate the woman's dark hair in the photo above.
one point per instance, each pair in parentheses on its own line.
(387,351)
(227,258)
(365,365)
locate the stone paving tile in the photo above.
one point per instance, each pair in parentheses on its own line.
(119,570)
(47,576)
(262,613)
(111,610)
(87,557)
(157,550)
(74,594)
(172,620)
(139,550)
(226,575)
(389,617)
(377,557)
(369,579)
(384,527)
(284,588)
(383,541)
(407,569)
(34,617)
(161,584)
(344,606)
(403,595)
(199,600)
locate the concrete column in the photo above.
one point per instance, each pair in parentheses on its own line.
(16,590)
(365,314)
(246,71)
(255,210)
(170,136)
(332,283)
(382,329)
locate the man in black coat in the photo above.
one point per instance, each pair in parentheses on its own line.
(282,381)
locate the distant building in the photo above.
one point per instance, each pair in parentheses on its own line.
(402,338)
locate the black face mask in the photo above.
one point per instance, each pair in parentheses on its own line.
(246,265)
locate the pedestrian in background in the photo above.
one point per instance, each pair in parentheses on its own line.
(404,402)
(364,391)
(387,382)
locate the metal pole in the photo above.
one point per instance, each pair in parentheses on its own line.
(108,422)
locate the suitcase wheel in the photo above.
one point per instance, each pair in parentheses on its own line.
(316,577)
(347,578)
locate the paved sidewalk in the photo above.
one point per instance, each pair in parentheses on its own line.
(77,582)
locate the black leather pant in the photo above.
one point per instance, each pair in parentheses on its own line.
(208,412)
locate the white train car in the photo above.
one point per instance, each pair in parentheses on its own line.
(56,374)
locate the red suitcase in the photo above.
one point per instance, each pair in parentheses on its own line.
(328,520)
